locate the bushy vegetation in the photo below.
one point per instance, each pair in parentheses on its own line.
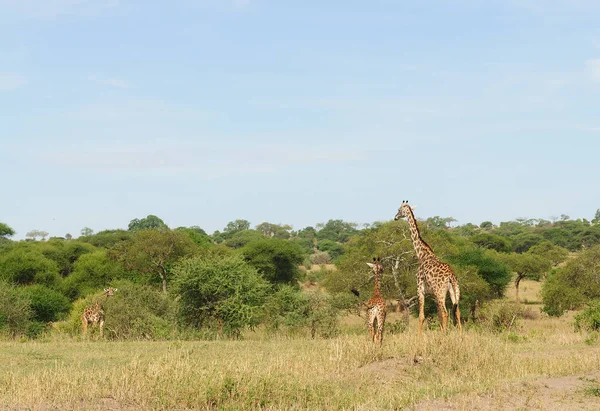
(174,282)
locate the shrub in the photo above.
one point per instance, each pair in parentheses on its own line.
(47,305)
(15,310)
(26,266)
(91,273)
(227,293)
(589,319)
(320,258)
(500,316)
(572,286)
(276,259)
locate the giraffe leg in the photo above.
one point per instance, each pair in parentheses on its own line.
(380,326)
(84,325)
(371,323)
(442,312)
(421,312)
(101,327)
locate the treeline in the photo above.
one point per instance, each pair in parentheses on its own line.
(183,282)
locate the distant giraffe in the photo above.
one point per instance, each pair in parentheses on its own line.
(94,313)
(376,309)
(432,273)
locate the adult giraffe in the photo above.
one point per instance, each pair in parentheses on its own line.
(432,273)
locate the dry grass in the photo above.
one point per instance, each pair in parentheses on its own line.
(260,373)
(453,371)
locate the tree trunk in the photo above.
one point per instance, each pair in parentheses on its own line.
(517,281)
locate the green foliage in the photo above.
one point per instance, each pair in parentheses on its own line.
(107,238)
(274,230)
(26,265)
(139,312)
(527,265)
(438,222)
(501,315)
(240,238)
(552,253)
(486,225)
(64,253)
(296,311)
(197,235)
(523,242)
(86,231)
(153,252)
(589,319)
(225,292)
(15,310)
(574,285)
(492,270)
(6,231)
(150,222)
(337,230)
(233,227)
(277,260)
(47,305)
(492,242)
(305,243)
(91,273)
(334,249)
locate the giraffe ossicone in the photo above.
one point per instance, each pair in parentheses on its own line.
(432,273)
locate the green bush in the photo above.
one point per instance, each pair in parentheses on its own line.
(501,315)
(47,305)
(15,311)
(91,273)
(296,311)
(219,292)
(574,285)
(26,266)
(589,319)
(276,259)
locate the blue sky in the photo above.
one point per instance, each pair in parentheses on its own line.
(202,112)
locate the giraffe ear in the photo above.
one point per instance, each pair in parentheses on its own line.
(106,289)
(371,265)
(115,289)
(413,207)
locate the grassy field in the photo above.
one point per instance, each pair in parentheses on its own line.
(544,364)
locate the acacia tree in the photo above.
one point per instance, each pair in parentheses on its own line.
(6,231)
(150,222)
(152,252)
(529,266)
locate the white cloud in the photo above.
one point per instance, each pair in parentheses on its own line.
(109,81)
(11,81)
(593,69)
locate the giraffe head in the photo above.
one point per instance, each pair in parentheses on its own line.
(376,266)
(403,211)
(110,291)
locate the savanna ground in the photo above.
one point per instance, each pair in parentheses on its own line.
(542,364)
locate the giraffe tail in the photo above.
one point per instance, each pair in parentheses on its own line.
(454,290)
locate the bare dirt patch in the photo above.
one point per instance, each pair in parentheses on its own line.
(558,393)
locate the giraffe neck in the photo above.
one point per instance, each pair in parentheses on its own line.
(421,247)
(377,290)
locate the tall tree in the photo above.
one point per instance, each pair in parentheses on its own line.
(86,231)
(150,222)
(153,252)
(529,266)
(6,231)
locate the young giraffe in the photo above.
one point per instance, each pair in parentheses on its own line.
(376,305)
(432,273)
(94,313)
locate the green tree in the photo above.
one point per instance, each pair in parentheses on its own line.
(529,266)
(153,252)
(92,272)
(34,234)
(574,285)
(492,242)
(150,222)
(334,249)
(15,310)
(336,230)
(495,272)
(277,260)
(596,219)
(47,304)
(227,293)
(86,231)
(233,227)
(241,238)
(555,254)
(486,225)
(6,231)
(107,238)
(274,230)
(27,266)
(438,222)
(197,235)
